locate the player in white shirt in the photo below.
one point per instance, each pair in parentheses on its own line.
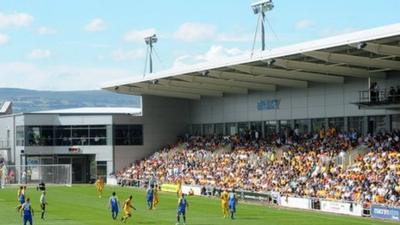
(43,203)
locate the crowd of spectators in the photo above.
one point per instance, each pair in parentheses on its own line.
(296,165)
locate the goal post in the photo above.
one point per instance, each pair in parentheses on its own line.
(53,174)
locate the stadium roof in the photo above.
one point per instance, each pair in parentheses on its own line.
(94,110)
(362,54)
(5,107)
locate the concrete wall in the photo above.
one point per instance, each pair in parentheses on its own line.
(317,101)
(163,120)
(7,137)
(55,119)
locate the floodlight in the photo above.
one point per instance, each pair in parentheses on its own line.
(205,73)
(271,62)
(151,39)
(361,45)
(262,6)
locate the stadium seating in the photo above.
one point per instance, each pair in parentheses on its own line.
(305,165)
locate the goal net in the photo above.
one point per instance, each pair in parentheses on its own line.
(55,174)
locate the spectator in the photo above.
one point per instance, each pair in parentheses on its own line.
(307,167)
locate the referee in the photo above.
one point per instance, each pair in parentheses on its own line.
(43,203)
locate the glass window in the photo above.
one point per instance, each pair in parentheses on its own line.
(356,124)
(256,126)
(33,136)
(395,122)
(20,135)
(63,135)
(243,128)
(136,132)
(376,124)
(47,134)
(302,125)
(270,127)
(208,129)
(284,127)
(98,135)
(80,135)
(219,129)
(128,134)
(196,128)
(39,135)
(121,133)
(317,124)
(231,129)
(337,123)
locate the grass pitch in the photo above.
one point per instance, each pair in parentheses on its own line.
(79,205)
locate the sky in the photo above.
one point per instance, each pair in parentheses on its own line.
(81,45)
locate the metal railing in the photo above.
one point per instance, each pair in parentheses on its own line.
(378,97)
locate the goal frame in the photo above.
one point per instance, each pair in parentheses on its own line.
(32,175)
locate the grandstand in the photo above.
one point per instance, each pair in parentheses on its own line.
(314,125)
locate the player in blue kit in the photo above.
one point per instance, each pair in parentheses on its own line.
(114,206)
(182,206)
(150,196)
(27,212)
(232,201)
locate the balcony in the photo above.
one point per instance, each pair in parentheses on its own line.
(381,99)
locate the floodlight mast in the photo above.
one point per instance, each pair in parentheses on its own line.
(261,7)
(150,40)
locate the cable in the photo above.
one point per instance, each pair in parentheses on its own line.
(159,59)
(272,29)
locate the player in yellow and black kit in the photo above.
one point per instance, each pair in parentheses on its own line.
(156,197)
(100,186)
(127,209)
(179,188)
(224,203)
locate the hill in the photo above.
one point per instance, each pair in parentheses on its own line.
(25,100)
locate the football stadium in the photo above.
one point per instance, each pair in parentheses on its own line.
(302,134)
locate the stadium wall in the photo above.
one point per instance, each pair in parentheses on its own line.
(316,101)
(163,120)
(7,138)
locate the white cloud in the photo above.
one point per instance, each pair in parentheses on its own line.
(303,24)
(3,39)
(138,35)
(15,20)
(215,54)
(39,54)
(191,32)
(62,77)
(95,25)
(121,55)
(46,31)
(239,37)
(327,32)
